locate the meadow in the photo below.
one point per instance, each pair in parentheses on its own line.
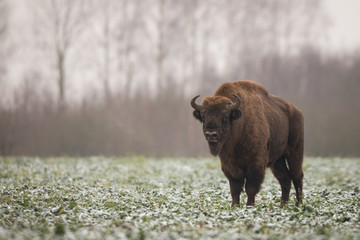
(181,198)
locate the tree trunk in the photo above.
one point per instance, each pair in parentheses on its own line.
(106,54)
(61,77)
(160,48)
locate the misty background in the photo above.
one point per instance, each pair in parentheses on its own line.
(115,77)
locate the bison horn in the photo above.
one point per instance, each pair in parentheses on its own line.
(195,105)
(236,105)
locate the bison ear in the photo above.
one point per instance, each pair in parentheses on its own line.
(197,115)
(235,115)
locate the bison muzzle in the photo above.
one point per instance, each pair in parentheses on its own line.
(250,130)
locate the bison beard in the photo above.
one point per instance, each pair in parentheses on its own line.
(250,130)
(214,148)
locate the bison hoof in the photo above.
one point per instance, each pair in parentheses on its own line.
(283,203)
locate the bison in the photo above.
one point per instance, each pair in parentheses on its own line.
(250,130)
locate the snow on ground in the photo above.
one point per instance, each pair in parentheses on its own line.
(147,198)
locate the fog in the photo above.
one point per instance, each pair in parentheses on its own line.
(115,77)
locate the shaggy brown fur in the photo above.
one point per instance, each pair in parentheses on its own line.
(264,131)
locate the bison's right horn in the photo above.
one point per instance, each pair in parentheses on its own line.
(236,105)
(195,105)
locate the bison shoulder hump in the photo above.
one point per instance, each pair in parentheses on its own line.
(252,87)
(246,86)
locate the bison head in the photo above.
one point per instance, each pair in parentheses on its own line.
(217,114)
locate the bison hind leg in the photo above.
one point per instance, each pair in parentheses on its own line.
(296,153)
(298,184)
(281,172)
(295,160)
(297,175)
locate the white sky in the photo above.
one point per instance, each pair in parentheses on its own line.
(344,31)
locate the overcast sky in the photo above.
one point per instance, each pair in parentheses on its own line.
(344,18)
(344,32)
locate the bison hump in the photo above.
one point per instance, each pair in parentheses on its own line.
(250,87)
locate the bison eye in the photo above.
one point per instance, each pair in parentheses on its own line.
(224,121)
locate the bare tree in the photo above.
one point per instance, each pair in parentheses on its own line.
(160,46)
(190,63)
(106,12)
(128,24)
(3,27)
(64,20)
(6,117)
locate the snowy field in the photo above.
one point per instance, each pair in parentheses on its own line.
(145,198)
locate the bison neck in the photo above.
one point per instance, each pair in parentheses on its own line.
(230,150)
(237,146)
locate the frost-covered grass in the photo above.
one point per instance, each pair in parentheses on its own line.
(145,198)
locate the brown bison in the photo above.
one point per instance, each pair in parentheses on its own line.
(250,130)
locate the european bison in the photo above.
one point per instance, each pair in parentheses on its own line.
(250,130)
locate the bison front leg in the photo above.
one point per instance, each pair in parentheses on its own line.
(236,187)
(236,180)
(254,179)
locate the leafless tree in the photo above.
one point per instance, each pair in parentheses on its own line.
(3,27)
(6,140)
(190,64)
(128,24)
(106,6)
(160,55)
(106,47)
(64,20)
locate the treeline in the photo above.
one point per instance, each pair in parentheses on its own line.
(115,77)
(164,126)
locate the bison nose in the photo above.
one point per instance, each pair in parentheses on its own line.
(211,136)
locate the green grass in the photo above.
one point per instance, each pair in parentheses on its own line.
(145,198)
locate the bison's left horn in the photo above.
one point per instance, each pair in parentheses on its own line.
(236,105)
(195,105)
